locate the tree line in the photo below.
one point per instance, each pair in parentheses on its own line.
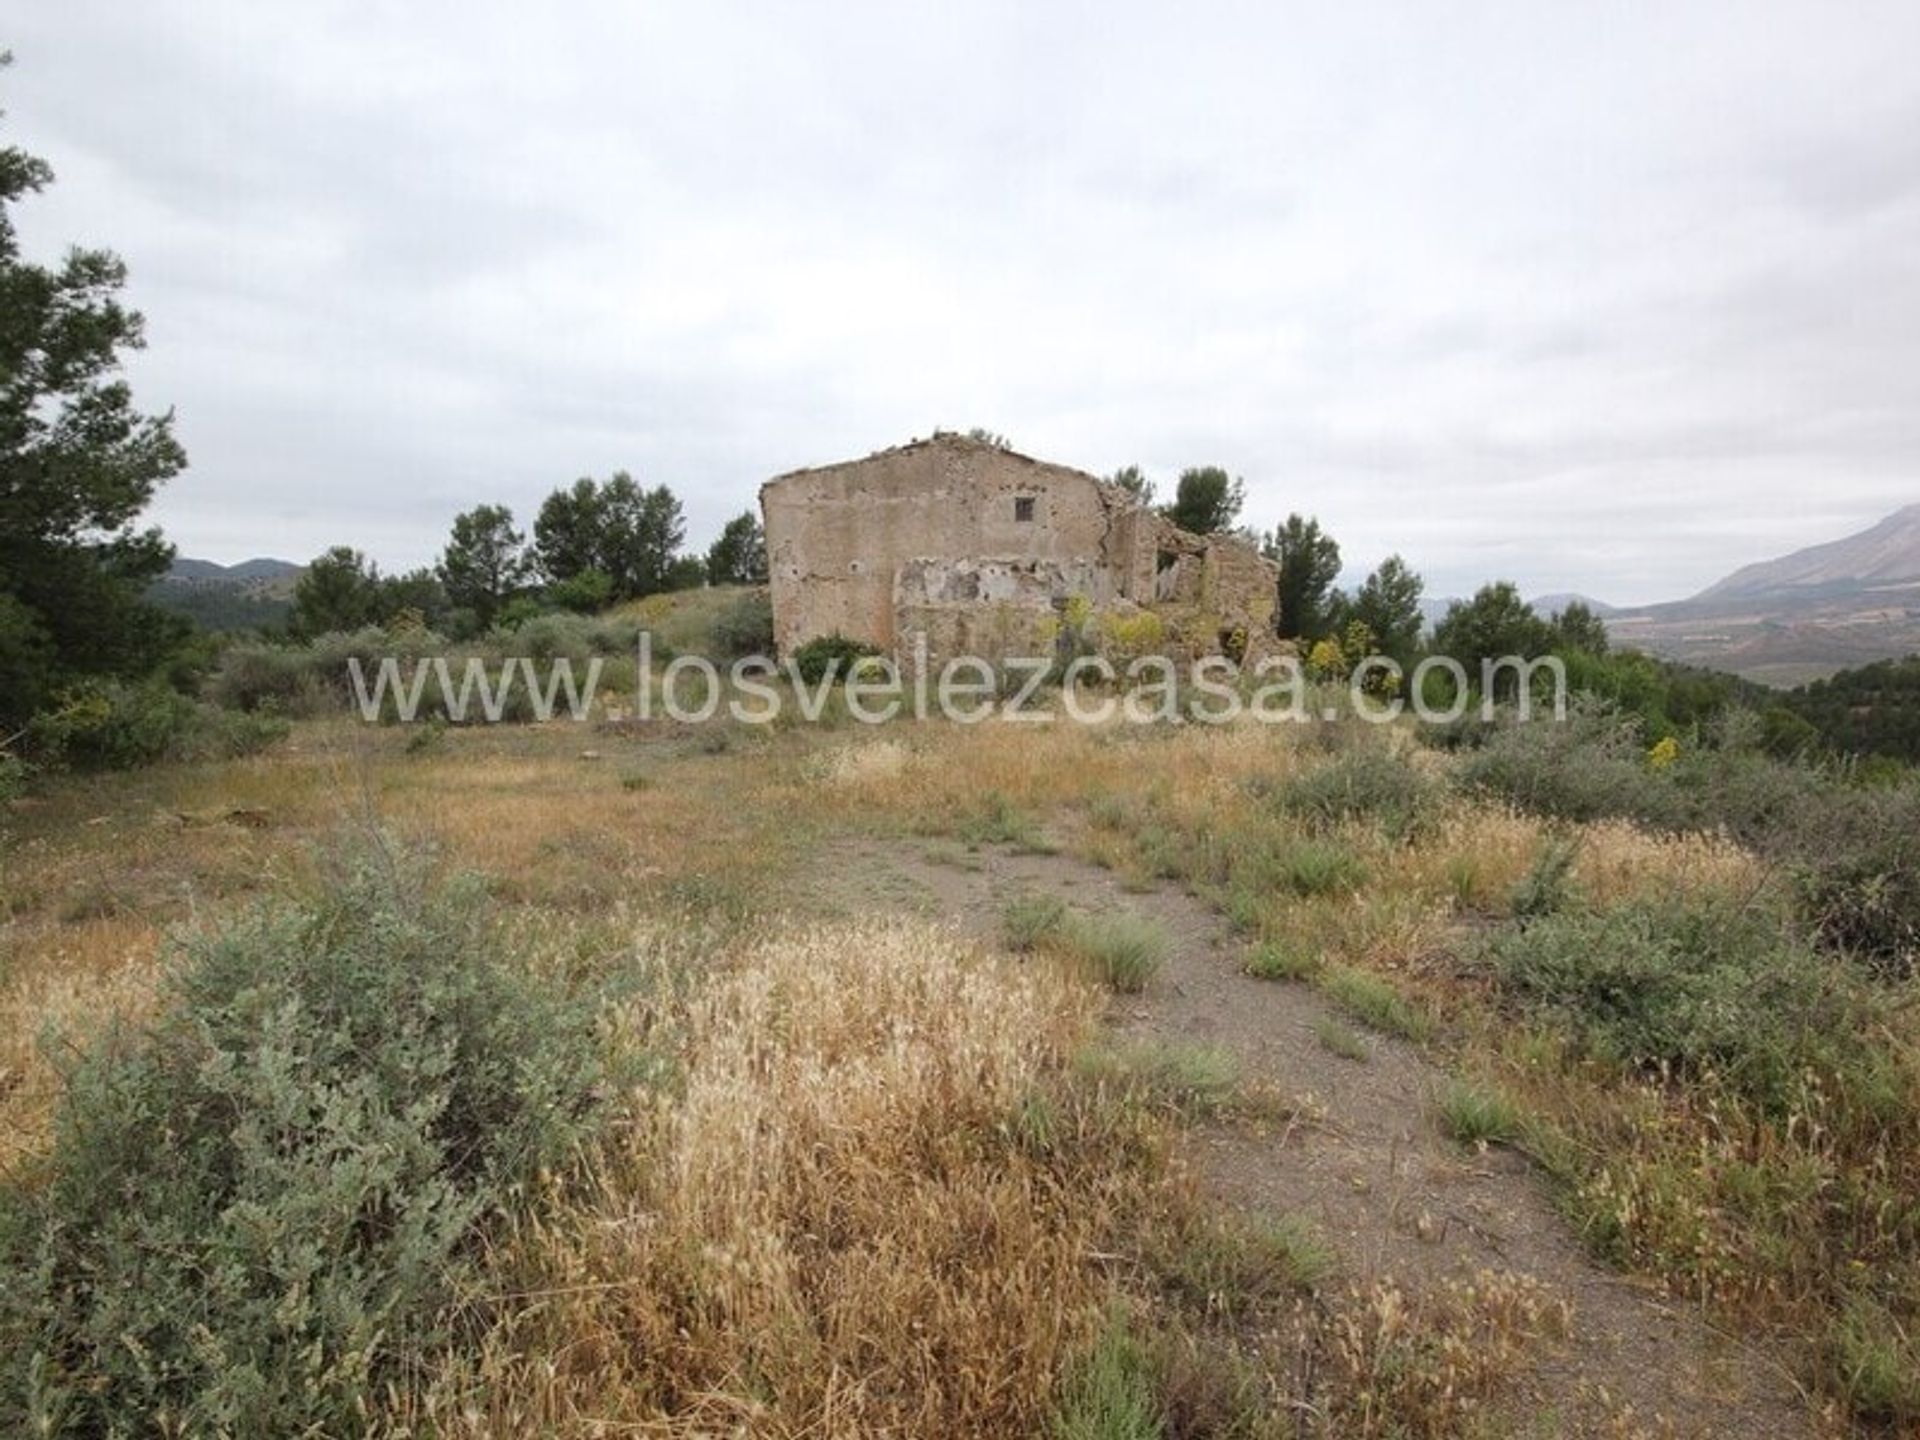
(594,544)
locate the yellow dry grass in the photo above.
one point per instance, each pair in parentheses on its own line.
(72,981)
(834,1230)
(1618,861)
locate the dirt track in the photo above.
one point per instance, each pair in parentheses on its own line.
(1392,1195)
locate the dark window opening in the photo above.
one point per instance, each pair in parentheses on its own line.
(1023,507)
(1165,561)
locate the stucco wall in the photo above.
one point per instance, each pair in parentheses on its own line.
(929,537)
(838,536)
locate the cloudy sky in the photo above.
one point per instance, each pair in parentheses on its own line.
(1609,298)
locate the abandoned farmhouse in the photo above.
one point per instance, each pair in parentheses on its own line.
(987,552)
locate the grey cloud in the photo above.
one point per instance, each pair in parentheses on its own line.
(1600,300)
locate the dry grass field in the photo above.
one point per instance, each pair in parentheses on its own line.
(889,1148)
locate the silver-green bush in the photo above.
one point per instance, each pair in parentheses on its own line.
(257,1208)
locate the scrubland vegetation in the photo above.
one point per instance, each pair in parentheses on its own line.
(511,1084)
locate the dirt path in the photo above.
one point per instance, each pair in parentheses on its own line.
(1392,1194)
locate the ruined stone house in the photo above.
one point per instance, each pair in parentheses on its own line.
(988,552)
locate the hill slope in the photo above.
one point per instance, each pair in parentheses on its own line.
(248,596)
(1801,616)
(1889,551)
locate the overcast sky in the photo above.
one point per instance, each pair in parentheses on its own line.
(1609,298)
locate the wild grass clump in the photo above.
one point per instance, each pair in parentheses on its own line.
(1339,1040)
(998,820)
(1123,950)
(1030,919)
(1193,1081)
(1374,1002)
(1283,960)
(1875,1364)
(1225,1265)
(1311,868)
(257,1209)
(14,774)
(1431,1363)
(1547,886)
(1688,989)
(1371,785)
(1476,1115)
(1111,1392)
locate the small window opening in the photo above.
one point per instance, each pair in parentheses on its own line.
(1023,507)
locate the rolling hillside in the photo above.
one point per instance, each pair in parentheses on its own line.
(251,595)
(1799,617)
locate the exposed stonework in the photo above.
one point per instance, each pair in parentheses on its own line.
(985,551)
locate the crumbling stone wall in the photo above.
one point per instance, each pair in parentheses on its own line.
(981,550)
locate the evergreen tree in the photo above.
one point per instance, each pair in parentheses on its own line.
(1388,604)
(484,562)
(1309,561)
(1206,501)
(1133,480)
(78,464)
(566,532)
(739,556)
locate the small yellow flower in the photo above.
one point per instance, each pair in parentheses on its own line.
(1663,754)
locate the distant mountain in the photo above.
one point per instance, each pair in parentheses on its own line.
(253,595)
(1552,605)
(247,570)
(1801,617)
(1887,552)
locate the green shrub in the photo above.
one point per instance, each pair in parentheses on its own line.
(13,776)
(105,725)
(586,592)
(745,627)
(578,638)
(257,1209)
(1684,988)
(1752,796)
(1856,868)
(217,734)
(1594,765)
(829,654)
(1365,784)
(279,678)
(1590,766)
